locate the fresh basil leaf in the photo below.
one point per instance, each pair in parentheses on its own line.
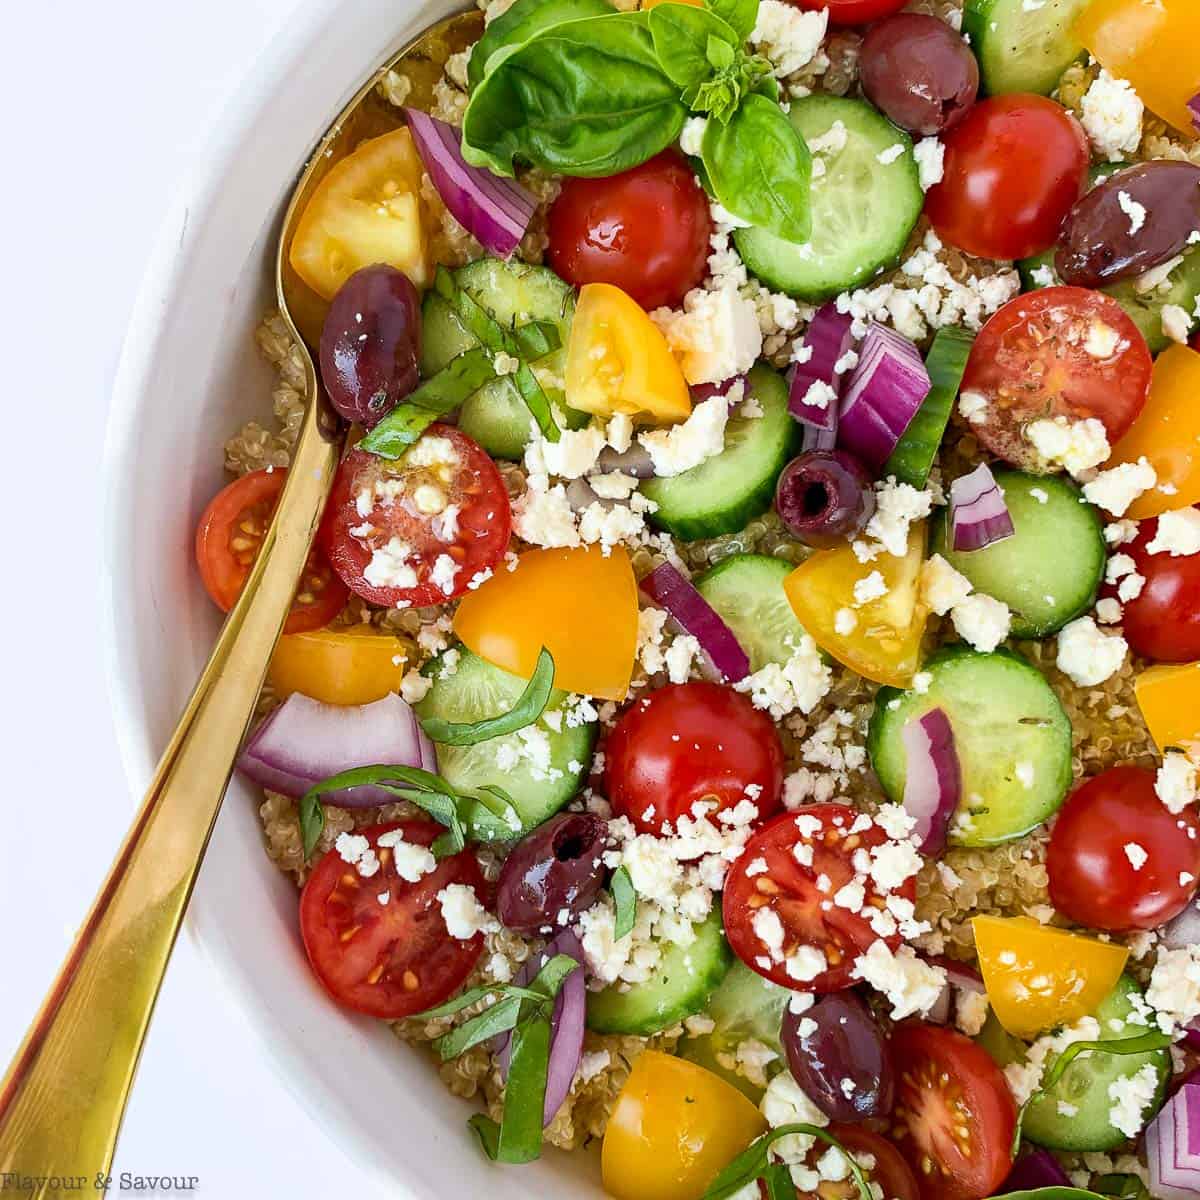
(520,1139)
(778,1179)
(1129,1186)
(761,169)
(529,707)
(754,1163)
(624,902)
(489,1134)
(312,821)
(681,35)
(553,975)
(719,54)
(519,23)
(740,15)
(500,1018)
(458,1003)
(587,97)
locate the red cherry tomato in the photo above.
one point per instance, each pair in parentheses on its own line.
(645,231)
(1163,621)
(1032,360)
(855,12)
(394,958)
(1119,858)
(1014,167)
(955,1115)
(800,894)
(229,537)
(687,743)
(890,1172)
(386,527)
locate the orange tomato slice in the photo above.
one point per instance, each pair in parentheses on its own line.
(1169,697)
(354,665)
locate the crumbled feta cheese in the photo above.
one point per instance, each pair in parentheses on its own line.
(619,433)
(785,1103)
(930,154)
(691,138)
(788,37)
(1108,611)
(463,914)
(414,687)
(431,451)
(1117,488)
(389,566)
(893,863)
(1025,1076)
(443,574)
(942,587)
(819,394)
(1102,340)
(897,507)
(544,517)
(1088,656)
(973,407)
(614,486)
(1174,990)
(1156,277)
(716,336)
(1076,445)
(1178,533)
(1112,117)
(981,620)
(356,850)
(1136,853)
(971,1012)
(688,444)
(911,985)
(1043,277)
(573,455)
(845,621)
(870,587)
(1175,782)
(889,156)
(1131,1096)
(1135,211)
(413,862)
(800,684)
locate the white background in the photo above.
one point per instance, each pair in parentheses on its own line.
(104,106)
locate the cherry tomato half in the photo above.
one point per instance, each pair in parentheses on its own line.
(954,1116)
(890,1171)
(417,530)
(1014,167)
(229,538)
(687,743)
(394,957)
(789,889)
(644,230)
(1038,357)
(855,12)
(1118,858)
(1162,621)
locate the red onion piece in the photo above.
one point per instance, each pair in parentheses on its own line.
(940,1013)
(566,1035)
(706,391)
(497,211)
(304,741)
(428,753)
(882,396)
(932,780)
(978,514)
(1038,1169)
(1191,1034)
(960,979)
(665,585)
(1173,1147)
(1194,107)
(829,338)
(1184,930)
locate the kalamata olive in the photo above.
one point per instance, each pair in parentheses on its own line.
(1134,221)
(824,497)
(552,874)
(837,1053)
(371,343)
(919,71)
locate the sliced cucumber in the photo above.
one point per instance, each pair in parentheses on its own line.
(684,980)
(747,592)
(1049,571)
(737,485)
(513,292)
(1005,717)
(1023,46)
(744,1006)
(915,452)
(863,208)
(474,689)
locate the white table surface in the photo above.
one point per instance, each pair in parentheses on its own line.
(120,95)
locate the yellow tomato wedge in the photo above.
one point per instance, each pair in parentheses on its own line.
(366,210)
(1168,434)
(885,643)
(674,1128)
(581,604)
(1169,697)
(619,362)
(354,665)
(1152,44)
(1038,977)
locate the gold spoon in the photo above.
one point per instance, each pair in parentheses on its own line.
(63,1097)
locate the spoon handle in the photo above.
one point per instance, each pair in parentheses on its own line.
(63,1097)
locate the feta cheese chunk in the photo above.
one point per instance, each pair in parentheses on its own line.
(1178,533)
(1087,655)
(1112,117)
(942,587)
(716,336)
(788,37)
(1117,488)
(911,985)
(463,914)
(688,444)
(1076,445)
(981,620)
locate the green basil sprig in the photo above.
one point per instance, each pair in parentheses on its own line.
(754,1163)
(691,43)
(529,706)
(624,902)
(740,15)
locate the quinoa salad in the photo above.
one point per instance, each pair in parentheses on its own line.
(741,714)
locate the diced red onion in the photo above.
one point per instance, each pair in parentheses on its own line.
(666,585)
(429,760)
(829,339)
(1173,1147)
(978,515)
(882,396)
(1191,1034)
(706,391)
(1194,108)
(1183,930)
(1038,1169)
(304,741)
(497,211)
(942,1008)
(566,1038)
(814,437)
(960,979)
(932,779)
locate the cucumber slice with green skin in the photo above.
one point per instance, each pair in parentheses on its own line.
(1084,1085)
(915,452)
(1004,714)
(744,1006)
(862,209)
(476,690)
(1049,571)
(1020,47)
(747,592)
(685,978)
(513,292)
(722,494)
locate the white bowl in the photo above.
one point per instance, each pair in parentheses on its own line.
(189,376)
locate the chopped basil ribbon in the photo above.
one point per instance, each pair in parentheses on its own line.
(754,1163)
(429,792)
(479,322)
(1142,1044)
(529,706)
(450,387)
(625,902)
